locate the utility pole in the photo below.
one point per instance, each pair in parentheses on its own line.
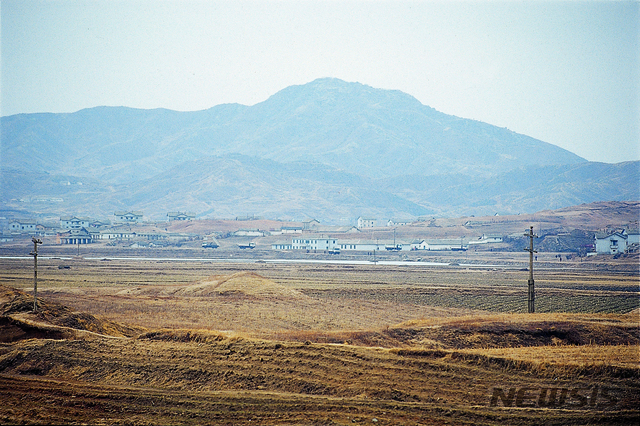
(35,272)
(531,298)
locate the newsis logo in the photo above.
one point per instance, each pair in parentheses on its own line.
(595,397)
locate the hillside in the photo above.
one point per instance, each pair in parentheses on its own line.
(349,126)
(329,150)
(226,187)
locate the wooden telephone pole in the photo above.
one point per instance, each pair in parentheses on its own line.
(532,297)
(35,272)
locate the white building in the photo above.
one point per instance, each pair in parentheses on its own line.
(291,230)
(314,243)
(487,239)
(399,222)
(173,216)
(76,236)
(440,244)
(364,222)
(611,242)
(74,222)
(23,226)
(282,246)
(633,236)
(249,233)
(115,234)
(128,217)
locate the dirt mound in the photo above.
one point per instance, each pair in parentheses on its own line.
(20,322)
(199,336)
(367,338)
(12,330)
(541,330)
(487,332)
(241,284)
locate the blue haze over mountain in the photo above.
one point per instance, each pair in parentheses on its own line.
(328,149)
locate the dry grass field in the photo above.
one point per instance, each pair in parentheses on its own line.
(282,343)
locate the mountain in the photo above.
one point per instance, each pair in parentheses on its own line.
(328,149)
(349,126)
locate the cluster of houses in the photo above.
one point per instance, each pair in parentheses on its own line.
(83,230)
(306,236)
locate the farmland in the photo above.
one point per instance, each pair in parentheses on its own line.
(448,341)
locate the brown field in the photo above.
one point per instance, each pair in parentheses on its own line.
(281,343)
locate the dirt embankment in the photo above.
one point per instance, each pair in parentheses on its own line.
(18,321)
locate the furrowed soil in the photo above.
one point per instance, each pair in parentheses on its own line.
(125,341)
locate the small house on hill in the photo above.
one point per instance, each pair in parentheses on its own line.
(180,216)
(399,222)
(128,217)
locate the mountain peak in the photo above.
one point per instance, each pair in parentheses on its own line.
(348,97)
(339,135)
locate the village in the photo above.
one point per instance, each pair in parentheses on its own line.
(129,229)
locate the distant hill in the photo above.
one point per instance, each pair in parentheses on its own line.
(328,149)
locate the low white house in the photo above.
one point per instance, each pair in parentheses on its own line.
(399,222)
(611,242)
(487,239)
(128,217)
(249,233)
(173,216)
(440,244)
(115,234)
(291,230)
(23,226)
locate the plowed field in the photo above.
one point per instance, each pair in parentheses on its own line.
(155,342)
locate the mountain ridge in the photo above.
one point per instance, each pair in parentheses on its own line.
(344,125)
(327,149)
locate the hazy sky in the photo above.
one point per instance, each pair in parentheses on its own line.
(564,72)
